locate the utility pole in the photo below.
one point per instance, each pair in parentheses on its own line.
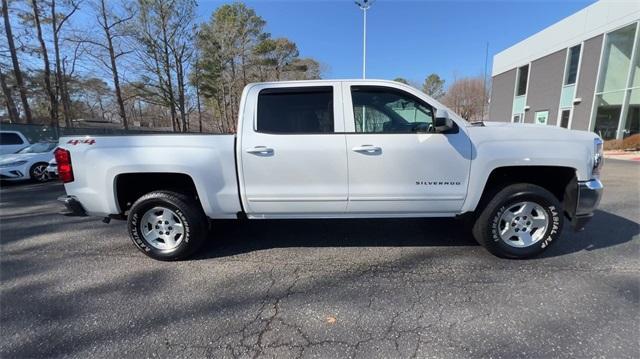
(364,5)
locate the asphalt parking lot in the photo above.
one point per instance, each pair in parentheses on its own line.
(75,287)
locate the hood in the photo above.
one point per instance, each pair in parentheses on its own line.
(530,131)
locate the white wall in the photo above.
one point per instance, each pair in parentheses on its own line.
(600,17)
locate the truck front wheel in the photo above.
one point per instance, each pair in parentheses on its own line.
(521,221)
(167,225)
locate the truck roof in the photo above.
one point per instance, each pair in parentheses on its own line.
(293,82)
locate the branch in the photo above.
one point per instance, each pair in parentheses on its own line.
(90,42)
(120,21)
(75,5)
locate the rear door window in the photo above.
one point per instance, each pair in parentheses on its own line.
(305,110)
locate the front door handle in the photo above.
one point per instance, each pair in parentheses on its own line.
(367,149)
(260,150)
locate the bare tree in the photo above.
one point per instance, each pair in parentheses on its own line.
(16,64)
(466,97)
(53,100)
(165,32)
(8,96)
(112,26)
(61,83)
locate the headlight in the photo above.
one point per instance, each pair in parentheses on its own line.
(598,158)
(12,164)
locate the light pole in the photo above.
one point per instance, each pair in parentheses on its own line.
(364,5)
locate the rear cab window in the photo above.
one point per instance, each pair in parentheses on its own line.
(299,110)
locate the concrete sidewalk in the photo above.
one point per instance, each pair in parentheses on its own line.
(623,155)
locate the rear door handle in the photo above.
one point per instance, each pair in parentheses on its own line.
(367,149)
(260,150)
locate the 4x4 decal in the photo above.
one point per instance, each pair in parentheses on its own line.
(89,141)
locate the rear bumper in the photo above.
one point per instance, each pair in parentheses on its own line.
(74,207)
(582,201)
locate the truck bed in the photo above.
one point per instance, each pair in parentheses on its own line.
(99,160)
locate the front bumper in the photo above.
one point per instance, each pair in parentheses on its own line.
(582,200)
(15,173)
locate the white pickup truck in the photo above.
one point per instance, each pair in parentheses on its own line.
(339,149)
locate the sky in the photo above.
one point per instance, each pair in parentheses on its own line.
(408,39)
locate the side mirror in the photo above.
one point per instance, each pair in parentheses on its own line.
(442,123)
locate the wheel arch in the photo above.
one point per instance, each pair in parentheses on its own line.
(128,187)
(555,179)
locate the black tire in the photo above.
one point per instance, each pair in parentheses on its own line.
(39,177)
(488,224)
(187,210)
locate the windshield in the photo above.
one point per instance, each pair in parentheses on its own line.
(39,147)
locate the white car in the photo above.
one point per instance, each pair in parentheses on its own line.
(12,141)
(53,168)
(339,149)
(30,162)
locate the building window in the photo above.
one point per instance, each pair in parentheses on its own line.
(617,59)
(616,101)
(609,109)
(518,118)
(541,117)
(564,118)
(571,72)
(523,74)
(633,114)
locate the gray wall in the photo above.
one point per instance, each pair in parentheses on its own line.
(545,85)
(587,82)
(502,87)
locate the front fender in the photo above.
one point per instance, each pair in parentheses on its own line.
(492,155)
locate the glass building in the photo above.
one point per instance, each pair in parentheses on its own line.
(617,99)
(580,73)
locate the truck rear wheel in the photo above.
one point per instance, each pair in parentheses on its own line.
(521,221)
(167,225)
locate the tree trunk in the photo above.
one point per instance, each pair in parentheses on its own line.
(198,100)
(53,101)
(181,89)
(16,65)
(66,99)
(11,105)
(114,67)
(167,70)
(60,87)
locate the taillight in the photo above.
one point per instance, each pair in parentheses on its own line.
(65,170)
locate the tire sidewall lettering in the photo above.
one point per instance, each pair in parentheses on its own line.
(495,223)
(555,225)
